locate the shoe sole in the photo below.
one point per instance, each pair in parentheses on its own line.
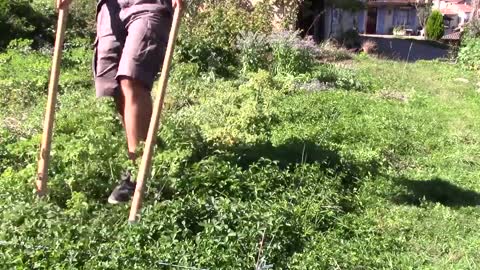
(112,200)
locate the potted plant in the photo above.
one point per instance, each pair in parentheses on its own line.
(399,31)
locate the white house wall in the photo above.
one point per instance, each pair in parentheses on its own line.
(388,20)
(389,17)
(344,21)
(381,14)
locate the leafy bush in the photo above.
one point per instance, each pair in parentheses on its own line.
(249,172)
(82,19)
(291,54)
(36,20)
(435,28)
(472,29)
(399,31)
(243,114)
(210,36)
(24,73)
(253,51)
(77,54)
(18,19)
(469,53)
(284,53)
(22,79)
(262,16)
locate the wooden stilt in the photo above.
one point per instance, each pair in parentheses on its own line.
(146,163)
(44,156)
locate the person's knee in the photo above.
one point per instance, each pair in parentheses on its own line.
(133,89)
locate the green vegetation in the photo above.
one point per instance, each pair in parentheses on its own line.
(35,20)
(435,28)
(325,176)
(20,19)
(271,162)
(424,9)
(469,53)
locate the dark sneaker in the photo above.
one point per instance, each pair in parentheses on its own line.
(124,191)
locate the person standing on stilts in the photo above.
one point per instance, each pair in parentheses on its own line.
(130,44)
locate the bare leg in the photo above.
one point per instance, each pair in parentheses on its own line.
(137,112)
(134,105)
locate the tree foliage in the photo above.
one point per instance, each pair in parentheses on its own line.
(36,20)
(435,26)
(350,5)
(424,9)
(18,19)
(469,53)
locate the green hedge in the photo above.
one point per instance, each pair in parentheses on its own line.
(36,20)
(435,28)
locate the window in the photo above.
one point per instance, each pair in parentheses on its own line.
(336,20)
(401,17)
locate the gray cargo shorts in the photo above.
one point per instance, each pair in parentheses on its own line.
(132,36)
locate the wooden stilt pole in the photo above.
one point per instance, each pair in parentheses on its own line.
(44,156)
(146,164)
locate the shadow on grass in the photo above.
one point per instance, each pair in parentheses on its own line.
(436,190)
(296,152)
(290,153)
(234,179)
(288,156)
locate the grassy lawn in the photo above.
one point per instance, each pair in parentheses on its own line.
(379,171)
(429,198)
(420,208)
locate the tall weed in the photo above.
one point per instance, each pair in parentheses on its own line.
(291,54)
(254,49)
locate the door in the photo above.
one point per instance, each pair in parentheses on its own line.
(372,21)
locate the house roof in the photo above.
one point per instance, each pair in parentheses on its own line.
(464,8)
(391,2)
(454,1)
(448,11)
(456,7)
(453,36)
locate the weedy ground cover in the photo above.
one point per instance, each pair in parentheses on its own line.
(370,165)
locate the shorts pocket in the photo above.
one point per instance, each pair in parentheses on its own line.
(155,37)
